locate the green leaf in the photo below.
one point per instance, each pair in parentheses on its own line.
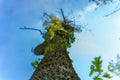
(35,64)
(92,67)
(107,75)
(118,67)
(97,78)
(91,72)
(96,67)
(109,68)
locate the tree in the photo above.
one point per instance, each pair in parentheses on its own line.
(114,66)
(104,2)
(56,64)
(100,2)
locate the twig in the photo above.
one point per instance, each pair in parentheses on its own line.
(86,29)
(112,12)
(63,15)
(98,75)
(32,29)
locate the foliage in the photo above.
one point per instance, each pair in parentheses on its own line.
(58,35)
(67,37)
(99,2)
(35,63)
(55,28)
(115,66)
(52,25)
(107,75)
(96,67)
(110,69)
(50,48)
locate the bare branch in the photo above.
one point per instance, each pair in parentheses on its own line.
(86,29)
(63,15)
(32,29)
(98,75)
(112,12)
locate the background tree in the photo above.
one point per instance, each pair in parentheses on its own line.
(104,2)
(114,65)
(96,67)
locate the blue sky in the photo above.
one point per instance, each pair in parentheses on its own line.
(16,44)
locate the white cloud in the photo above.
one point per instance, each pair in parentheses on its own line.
(91,8)
(83,13)
(87,42)
(115,77)
(80,17)
(116,20)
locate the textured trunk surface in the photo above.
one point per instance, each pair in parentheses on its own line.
(55,66)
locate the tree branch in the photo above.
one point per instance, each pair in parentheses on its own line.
(98,75)
(32,29)
(112,12)
(63,15)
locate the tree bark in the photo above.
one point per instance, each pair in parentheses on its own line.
(55,65)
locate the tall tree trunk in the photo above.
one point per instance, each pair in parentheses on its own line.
(55,65)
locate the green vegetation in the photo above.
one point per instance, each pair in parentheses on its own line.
(35,63)
(50,48)
(57,29)
(114,66)
(99,2)
(96,67)
(58,35)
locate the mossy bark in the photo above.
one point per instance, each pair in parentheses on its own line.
(55,66)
